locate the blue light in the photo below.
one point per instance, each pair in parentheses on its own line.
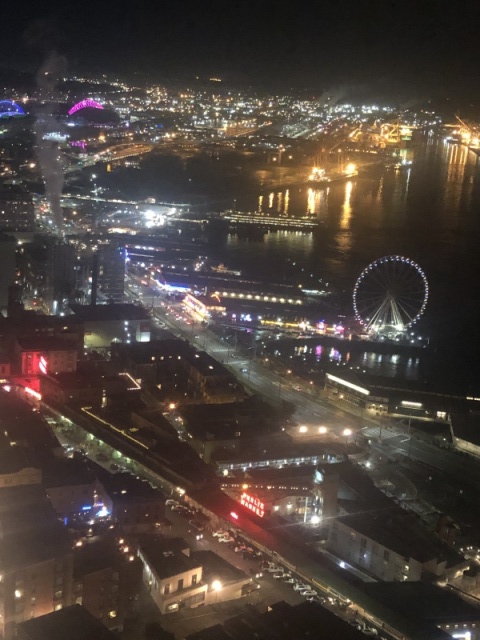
(87,507)
(9,108)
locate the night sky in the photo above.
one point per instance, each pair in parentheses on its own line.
(428,45)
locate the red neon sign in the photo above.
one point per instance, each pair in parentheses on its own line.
(254,504)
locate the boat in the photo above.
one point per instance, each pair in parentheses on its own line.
(222,269)
(318,177)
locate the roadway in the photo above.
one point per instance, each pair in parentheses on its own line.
(185,622)
(256,374)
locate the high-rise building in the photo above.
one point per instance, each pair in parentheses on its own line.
(16,211)
(47,268)
(8,247)
(111,272)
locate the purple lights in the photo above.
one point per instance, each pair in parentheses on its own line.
(79,143)
(83,104)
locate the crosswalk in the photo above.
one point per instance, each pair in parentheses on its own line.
(377,433)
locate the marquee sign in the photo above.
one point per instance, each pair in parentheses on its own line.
(254,504)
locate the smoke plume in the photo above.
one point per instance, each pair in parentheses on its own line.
(48,133)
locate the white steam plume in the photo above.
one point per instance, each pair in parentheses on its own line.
(47,130)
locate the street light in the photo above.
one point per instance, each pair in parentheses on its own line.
(217,587)
(322,430)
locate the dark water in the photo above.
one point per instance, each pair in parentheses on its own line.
(429,213)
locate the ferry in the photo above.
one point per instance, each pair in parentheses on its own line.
(318,177)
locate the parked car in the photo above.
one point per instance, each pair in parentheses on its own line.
(219,533)
(300,587)
(277,575)
(196,529)
(308,593)
(272,568)
(170,502)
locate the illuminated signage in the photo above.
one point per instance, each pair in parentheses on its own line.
(254,504)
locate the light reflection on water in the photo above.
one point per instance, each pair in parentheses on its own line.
(320,356)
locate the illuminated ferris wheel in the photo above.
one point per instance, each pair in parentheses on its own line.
(390,294)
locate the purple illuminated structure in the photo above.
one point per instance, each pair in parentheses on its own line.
(83,104)
(79,143)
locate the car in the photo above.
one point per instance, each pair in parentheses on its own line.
(278,574)
(219,533)
(244,369)
(288,579)
(272,568)
(308,593)
(256,574)
(225,539)
(177,507)
(368,631)
(170,502)
(300,587)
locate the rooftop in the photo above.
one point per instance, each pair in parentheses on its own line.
(282,622)
(215,567)
(466,426)
(96,556)
(40,342)
(13,459)
(74,623)
(401,533)
(143,352)
(424,602)
(127,488)
(21,424)
(208,366)
(109,312)
(166,560)
(29,528)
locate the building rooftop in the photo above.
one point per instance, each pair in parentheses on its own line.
(282,622)
(215,567)
(165,558)
(63,472)
(109,312)
(123,487)
(13,459)
(425,602)
(402,388)
(208,366)
(402,533)
(466,426)
(22,425)
(143,352)
(96,555)
(40,342)
(74,623)
(29,528)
